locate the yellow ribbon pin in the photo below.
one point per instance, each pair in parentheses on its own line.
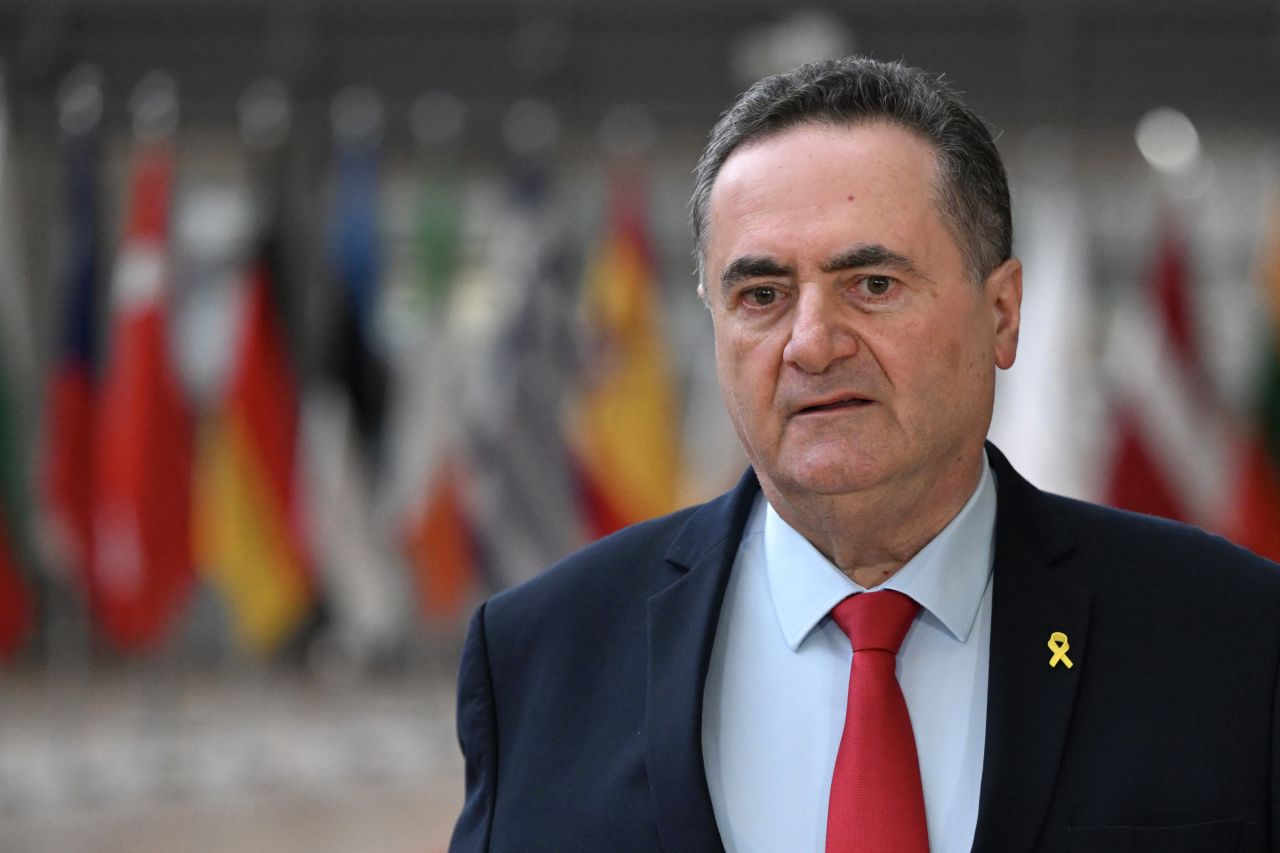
(1058,645)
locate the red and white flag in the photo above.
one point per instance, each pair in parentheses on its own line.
(1170,436)
(142,573)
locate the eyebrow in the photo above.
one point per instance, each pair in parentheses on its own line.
(753,266)
(869,255)
(863,255)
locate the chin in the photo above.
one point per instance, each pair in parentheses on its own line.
(828,473)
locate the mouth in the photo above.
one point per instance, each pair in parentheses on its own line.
(835,405)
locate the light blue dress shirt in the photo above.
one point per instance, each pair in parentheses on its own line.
(774,701)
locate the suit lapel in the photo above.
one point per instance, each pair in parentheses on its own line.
(1029,702)
(681,631)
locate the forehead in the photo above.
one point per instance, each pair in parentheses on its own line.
(876,174)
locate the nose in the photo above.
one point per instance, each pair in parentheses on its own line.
(820,335)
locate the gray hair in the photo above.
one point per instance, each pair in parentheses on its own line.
(972,190)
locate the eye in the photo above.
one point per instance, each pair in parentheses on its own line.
(878,285)
(762,296)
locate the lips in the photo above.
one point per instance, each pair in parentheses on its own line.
(833,404)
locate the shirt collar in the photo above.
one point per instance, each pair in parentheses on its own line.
(947,577)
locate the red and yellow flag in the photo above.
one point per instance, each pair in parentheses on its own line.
(626,429)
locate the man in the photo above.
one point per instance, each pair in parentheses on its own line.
(1043,674)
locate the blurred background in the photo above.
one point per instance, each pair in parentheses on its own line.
(321,321)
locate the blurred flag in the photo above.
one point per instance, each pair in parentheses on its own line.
(67,461)
(1047,406)
(438,235)
(712,456)
(439,542)
(248,529)
(524,499)
(626,424)
(1253,518)
(430,472)
(142,572)
(344,418)
(16,602)
(354,361)
(1169,438)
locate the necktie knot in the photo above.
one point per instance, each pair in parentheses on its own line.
(875,620)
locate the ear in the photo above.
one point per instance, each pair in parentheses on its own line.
(1003,290)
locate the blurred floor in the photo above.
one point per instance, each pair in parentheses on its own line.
(148,761)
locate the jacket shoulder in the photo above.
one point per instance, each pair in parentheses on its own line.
(599,594)
(618,561)
(1129,548)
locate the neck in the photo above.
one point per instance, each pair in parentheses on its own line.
(871,534)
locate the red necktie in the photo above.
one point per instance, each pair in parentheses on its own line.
(877,804)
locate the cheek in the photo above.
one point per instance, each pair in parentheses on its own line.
(932,361)
(964,378)
(732,366)
(748,371)
(740,353)
(914,351)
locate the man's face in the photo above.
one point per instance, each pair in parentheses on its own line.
(854,350)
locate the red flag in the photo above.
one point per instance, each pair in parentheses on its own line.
(1136,479)
(143,567)
(441,549)
(1255,519)
(1254,511)
(67,464)
(15,598)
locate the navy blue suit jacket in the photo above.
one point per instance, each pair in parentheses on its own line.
(580,692)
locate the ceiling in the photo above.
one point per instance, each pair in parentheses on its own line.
(1081,63)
